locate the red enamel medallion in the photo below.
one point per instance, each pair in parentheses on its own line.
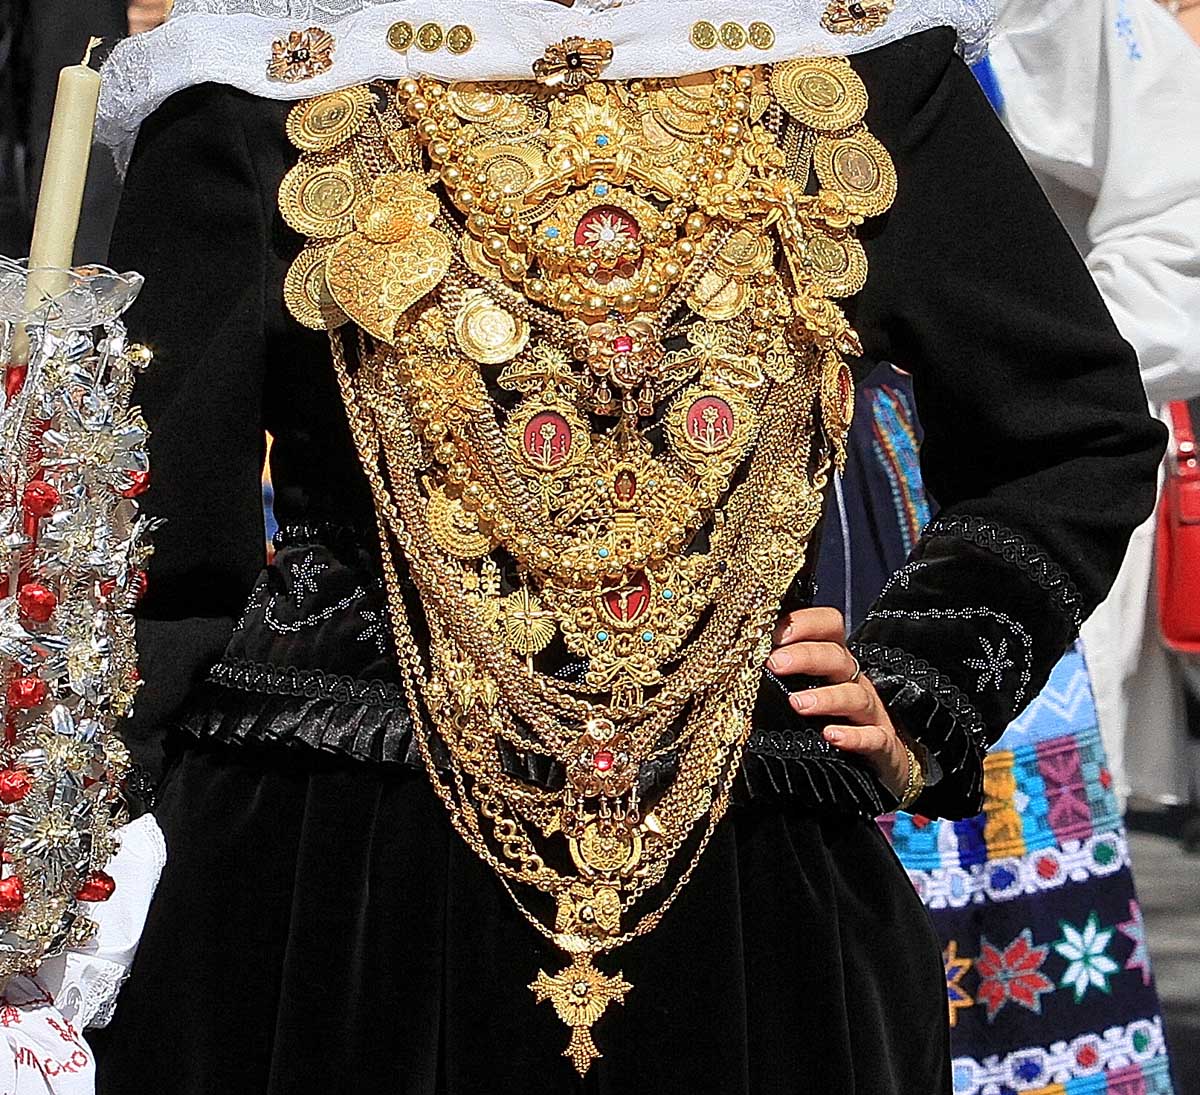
(710,424)
(547,440)
(606,225)
(627,601)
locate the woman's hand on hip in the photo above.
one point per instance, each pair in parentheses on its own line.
(812,642)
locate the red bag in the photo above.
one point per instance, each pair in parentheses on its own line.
(1178,540)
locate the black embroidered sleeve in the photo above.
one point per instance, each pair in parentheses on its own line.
(1038,448)
(961,640)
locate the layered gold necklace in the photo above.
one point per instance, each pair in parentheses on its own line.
(597,383)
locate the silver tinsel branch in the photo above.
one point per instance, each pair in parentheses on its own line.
(72,555)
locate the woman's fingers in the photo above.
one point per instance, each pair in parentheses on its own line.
(844,701)
(859,739)
(815,659)
(811,625)
(880,747)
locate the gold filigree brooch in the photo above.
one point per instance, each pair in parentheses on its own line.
(573,62)
(302,55)
(843,18)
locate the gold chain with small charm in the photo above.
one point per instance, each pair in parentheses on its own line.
(598,384)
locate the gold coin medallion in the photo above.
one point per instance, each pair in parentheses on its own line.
(318,199)
(733,36)
(400,36)
(430,37)
(321,124)
(762,35)
(609,850)
(704,35)
(746,252)
(719,296)
(839,265)
(860,169)
(821,92)
(459,39)
(488,333)
(306,293)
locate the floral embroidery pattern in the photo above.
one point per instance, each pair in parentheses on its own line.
(304,578)
(956,969)
(1135,929)
(1012,975)
(1086,951)
(993,665)
(1125,31)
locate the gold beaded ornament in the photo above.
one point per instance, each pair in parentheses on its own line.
(599,380)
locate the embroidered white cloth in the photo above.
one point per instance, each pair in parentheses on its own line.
(229,41)
(1103,99)
(42,1018)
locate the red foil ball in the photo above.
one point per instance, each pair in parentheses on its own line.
(40,498)
(98,886)
(138,482)
(12,894)
(14,379)
(26,693)
(37,603)
(15,784)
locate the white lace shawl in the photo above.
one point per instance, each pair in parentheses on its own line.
(229,41)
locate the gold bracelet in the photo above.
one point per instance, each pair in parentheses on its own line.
(916,780)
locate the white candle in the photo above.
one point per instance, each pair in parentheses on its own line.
(60,199)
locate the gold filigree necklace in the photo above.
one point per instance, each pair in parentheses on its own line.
(597,387)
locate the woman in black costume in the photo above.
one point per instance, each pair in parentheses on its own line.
(319,925)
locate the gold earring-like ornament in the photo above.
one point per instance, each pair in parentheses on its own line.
(573,62)
(843,18)
(302,55)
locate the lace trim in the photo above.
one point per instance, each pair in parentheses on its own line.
(1025,555)
(900,664)
(304,684)
(229,42)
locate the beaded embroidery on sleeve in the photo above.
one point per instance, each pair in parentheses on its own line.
(590,352)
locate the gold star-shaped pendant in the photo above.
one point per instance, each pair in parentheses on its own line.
(580,994)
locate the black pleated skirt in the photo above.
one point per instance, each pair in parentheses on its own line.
(320,928)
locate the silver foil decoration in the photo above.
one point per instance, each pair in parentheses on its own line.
(73,549)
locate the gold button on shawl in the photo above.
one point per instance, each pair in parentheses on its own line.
(822,92)
(704,35)
(762,35)
(400,36)
(733,35)
(430,37)
(302,55)
(862,18)
(459,39)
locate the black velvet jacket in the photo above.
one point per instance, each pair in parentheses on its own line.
(1039,448)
